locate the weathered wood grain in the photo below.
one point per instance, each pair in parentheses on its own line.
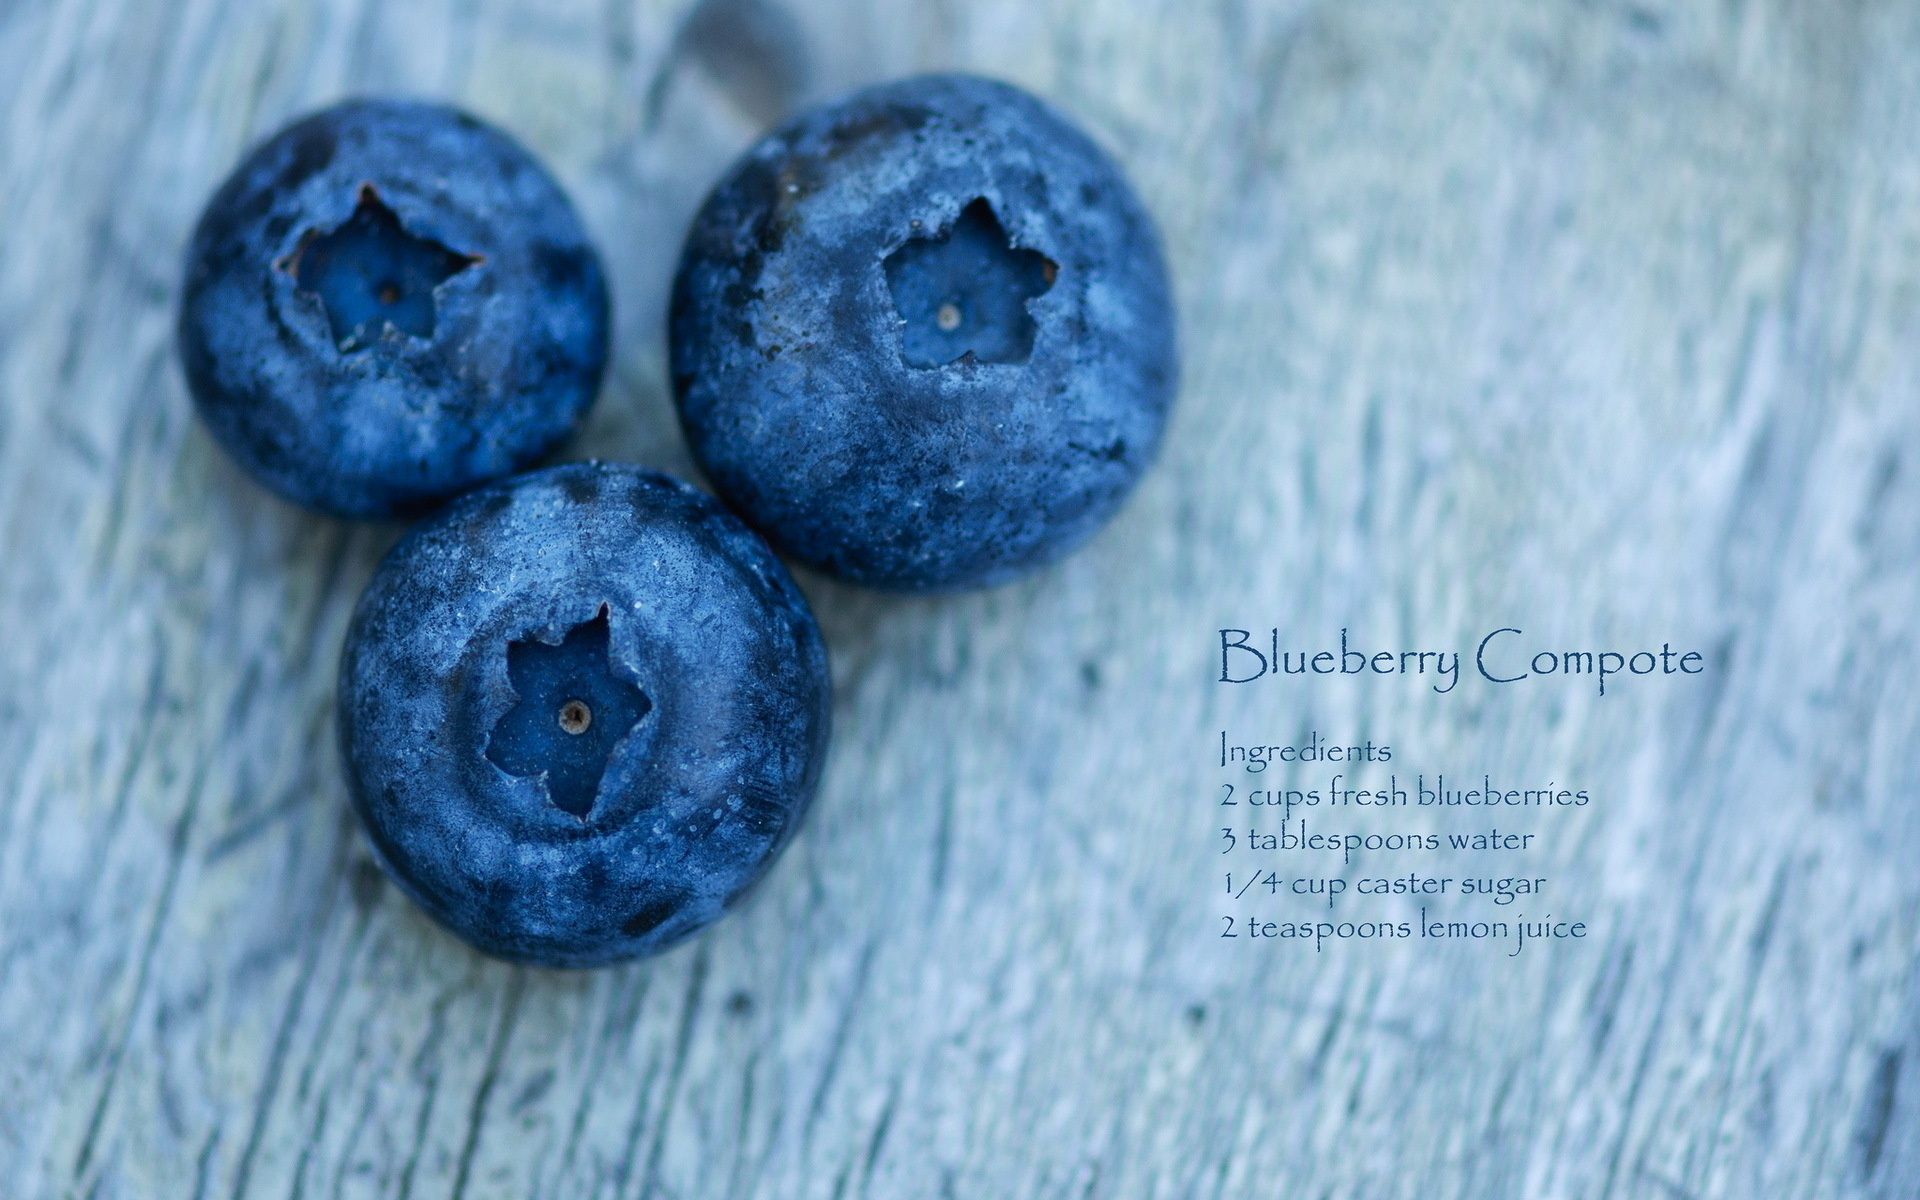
(1597,318)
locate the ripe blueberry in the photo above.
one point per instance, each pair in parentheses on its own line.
(923,337)
(387,303)
(581,710)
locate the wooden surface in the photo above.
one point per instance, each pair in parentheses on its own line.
(1596,317)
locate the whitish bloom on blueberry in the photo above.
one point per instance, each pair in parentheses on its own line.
(582,711)
(923,337)
(387,303)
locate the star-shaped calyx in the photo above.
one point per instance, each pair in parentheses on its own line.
(572,711)
(964,292)
(369,272)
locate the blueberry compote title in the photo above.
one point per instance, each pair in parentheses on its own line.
(1503,656)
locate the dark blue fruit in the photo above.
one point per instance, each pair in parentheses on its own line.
(582,710)
(923,337)
(387,303)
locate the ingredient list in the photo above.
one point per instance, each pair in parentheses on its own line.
(1322,842)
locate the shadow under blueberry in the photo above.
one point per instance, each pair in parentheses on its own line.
(571,711)
(369,272)
(963,293)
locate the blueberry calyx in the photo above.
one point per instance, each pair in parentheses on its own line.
(963,293)
(573,709)
(369,272)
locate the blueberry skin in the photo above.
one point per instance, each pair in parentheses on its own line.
(824,390)
(496,308)
(621,589)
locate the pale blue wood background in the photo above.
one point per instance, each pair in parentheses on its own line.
(1599,318)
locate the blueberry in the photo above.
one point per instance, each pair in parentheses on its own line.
(387,303)
(581,711)
(923,337)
